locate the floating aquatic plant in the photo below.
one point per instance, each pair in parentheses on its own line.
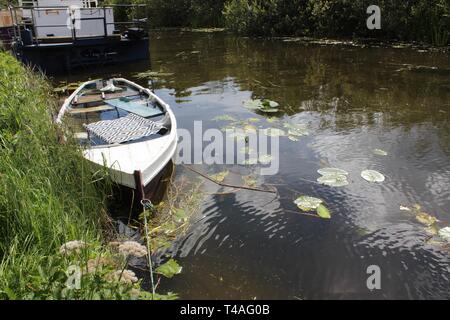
(333,180)
(224,117)
(251,161)
(372,176)
(264,105)
(444,233)
(152,74)
(219,177)
(265,159)
(249,128)
(296,129)
(425,218)
(249,181)
(333,177)
(380,152)
(332,171)
(273,132)
(307,203)
(169,269)
(323,212)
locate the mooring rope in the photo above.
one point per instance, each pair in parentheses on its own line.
(147,205)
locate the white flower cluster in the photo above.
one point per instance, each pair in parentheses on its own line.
(132,248)
(126,276)
(97,263)
(72,246)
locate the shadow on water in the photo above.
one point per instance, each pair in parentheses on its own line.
(353,100)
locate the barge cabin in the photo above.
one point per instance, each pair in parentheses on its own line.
(60,35)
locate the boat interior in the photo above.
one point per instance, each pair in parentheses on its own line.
(109,100)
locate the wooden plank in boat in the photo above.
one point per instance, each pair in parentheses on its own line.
(98,97)
(91,109)
(81,135)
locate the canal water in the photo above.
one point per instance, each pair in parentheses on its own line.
(352,100)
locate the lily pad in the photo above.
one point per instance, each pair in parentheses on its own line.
(249,128)
(307,203)
(334,180)
(296,129)
(224,117)
(431,230)
(169,269)
(264,105)
(323,212)
(332,171)
(444,233)
(219,177)
(333,177)
(265,159)
(251,161)
(273,132)
(253,104)
(249,181)
(425,218)
(380,152)
(372,176)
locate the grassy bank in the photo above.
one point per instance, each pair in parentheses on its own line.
(48,198)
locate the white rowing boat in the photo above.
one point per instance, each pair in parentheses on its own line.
(122,126)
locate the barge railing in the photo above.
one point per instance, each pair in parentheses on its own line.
(21,23)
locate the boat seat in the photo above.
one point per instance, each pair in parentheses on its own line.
(91,109)
(128,128)
(81,135)
(98,97)
(135,108)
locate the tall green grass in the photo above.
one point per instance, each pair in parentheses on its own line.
(47,191)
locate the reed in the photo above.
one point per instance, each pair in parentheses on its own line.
(48,196)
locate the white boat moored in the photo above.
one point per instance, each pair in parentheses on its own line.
(122,126)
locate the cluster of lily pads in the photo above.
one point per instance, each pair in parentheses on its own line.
(439,235)
(263,105)
(335,177)
(293,131)
(248,180)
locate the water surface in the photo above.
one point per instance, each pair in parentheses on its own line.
(247,245)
